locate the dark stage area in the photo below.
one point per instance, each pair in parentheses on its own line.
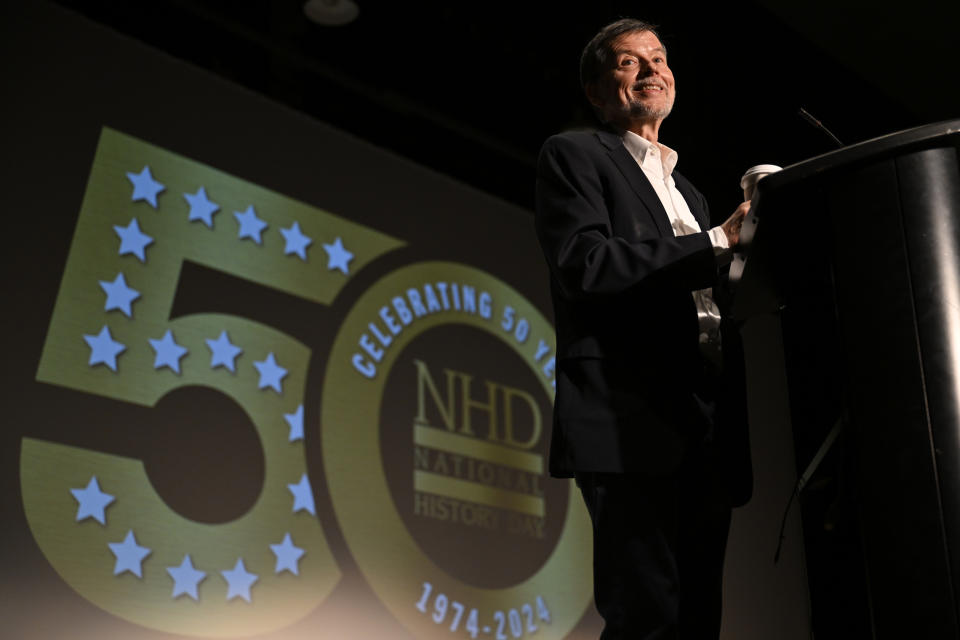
(473,91)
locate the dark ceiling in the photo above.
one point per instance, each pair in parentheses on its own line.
(472,89)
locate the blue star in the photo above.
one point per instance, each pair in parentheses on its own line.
(295,420)
(270,373)
(250,225)
(92,501)
(145,187)
(223,352)
(132,240)
(119,295)
(186,578)
(168,352)
(339,257)
(239,581)
(201,208)
(103,348)
(302,496)
(296,242)
(288,556)
(129,555)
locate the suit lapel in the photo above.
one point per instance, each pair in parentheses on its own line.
(693,201)
(637,180)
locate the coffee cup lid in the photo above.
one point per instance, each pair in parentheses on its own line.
(761,169)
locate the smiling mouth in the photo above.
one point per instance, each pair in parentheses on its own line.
(648,86)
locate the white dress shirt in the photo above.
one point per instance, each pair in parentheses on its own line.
(657,162)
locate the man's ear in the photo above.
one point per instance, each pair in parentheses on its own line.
(593,95)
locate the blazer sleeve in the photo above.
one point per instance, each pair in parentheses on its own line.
(574,227)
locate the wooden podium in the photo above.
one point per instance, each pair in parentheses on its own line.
(858,252)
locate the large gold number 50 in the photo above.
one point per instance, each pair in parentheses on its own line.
(96,516)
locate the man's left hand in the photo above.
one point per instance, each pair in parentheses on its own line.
(734,223)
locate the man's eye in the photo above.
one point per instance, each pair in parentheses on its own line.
(627,61)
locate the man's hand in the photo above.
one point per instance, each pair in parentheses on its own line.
(733,224)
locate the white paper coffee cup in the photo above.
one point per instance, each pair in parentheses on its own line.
(752,176)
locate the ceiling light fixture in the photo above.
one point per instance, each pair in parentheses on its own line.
(331,13)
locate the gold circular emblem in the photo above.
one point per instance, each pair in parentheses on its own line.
(428,599)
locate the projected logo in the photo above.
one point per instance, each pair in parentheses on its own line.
(431,421)
(451,404)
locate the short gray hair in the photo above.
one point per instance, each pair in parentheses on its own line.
(596,55)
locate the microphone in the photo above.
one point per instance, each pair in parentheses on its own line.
(803,113)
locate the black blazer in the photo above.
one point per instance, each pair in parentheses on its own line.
(633,391)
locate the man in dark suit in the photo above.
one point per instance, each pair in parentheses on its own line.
(649,414)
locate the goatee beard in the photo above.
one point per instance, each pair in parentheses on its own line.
(641,110)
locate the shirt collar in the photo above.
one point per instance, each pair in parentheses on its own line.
(639,147)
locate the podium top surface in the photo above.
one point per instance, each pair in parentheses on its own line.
(939,134)
(756,288)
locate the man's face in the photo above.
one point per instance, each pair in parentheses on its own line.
(639,86)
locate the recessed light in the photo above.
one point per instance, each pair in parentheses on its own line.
(331,13)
